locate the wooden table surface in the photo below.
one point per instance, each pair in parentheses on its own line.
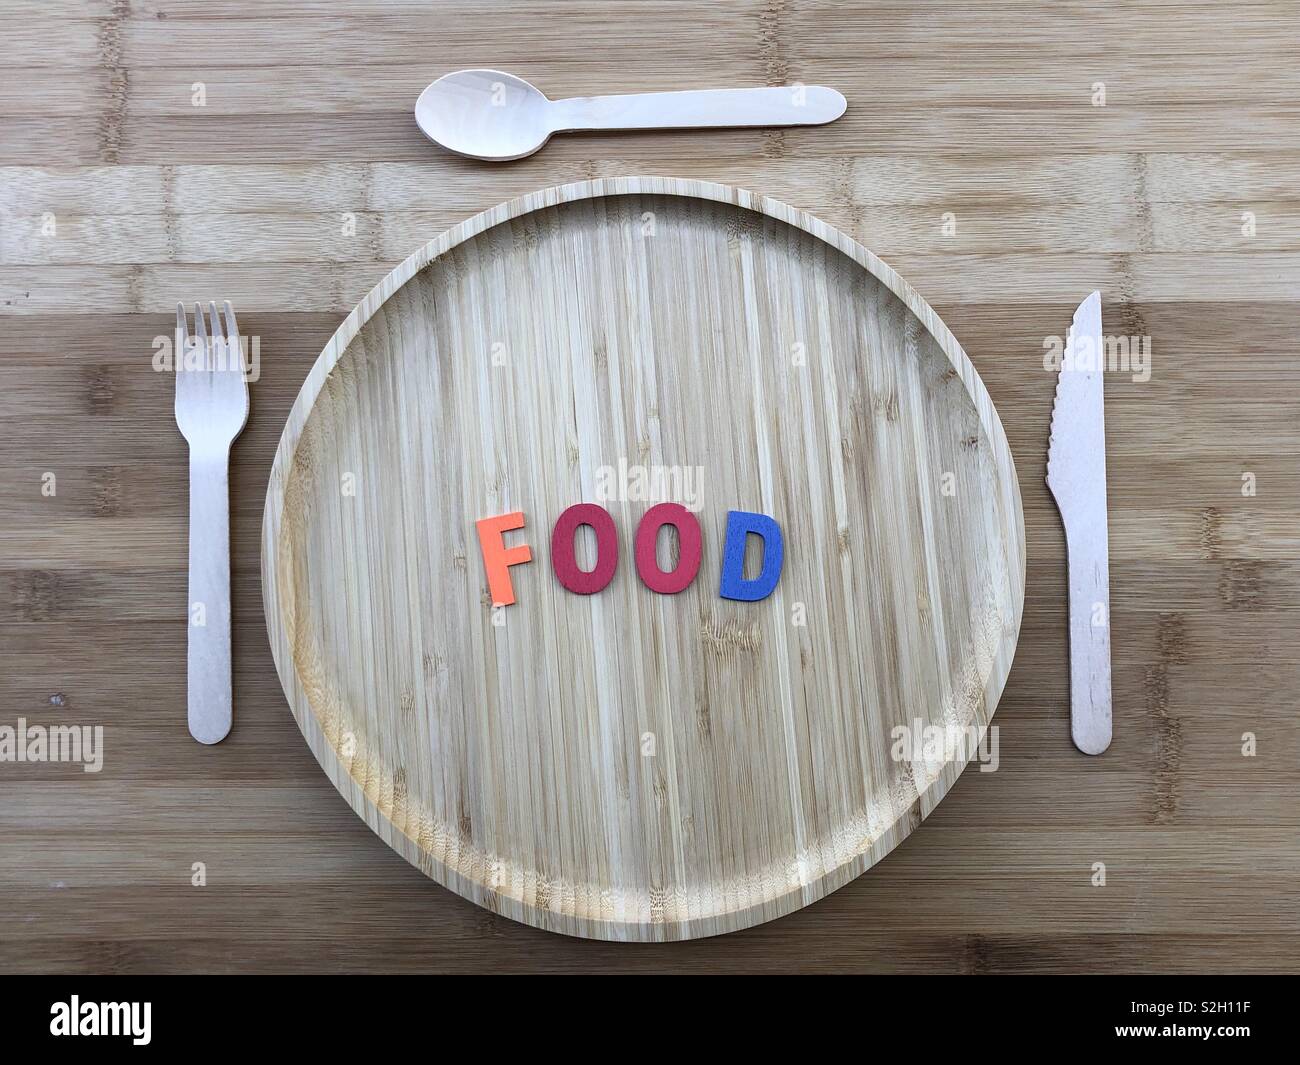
(155,150)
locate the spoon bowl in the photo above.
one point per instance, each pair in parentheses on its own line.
(485,114)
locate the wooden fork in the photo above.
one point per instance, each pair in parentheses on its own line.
(211,409)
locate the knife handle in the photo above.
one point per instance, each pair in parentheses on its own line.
(1090,717)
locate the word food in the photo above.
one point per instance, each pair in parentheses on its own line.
(498,558)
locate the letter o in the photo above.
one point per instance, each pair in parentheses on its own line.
(688,537)
(565,563)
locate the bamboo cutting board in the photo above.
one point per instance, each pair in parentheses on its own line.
(630,765)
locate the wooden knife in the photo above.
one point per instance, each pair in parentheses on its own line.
(1076,475)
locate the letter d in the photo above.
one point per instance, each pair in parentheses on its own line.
(740,523)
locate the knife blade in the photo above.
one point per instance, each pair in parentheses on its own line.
(1076,476)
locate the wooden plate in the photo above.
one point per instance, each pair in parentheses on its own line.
(631,765)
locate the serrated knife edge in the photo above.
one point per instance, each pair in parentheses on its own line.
(1078,447)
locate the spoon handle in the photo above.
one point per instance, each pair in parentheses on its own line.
(794,105)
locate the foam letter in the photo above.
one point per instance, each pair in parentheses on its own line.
(688,538)
(563,559)
(740,523)
(497,558)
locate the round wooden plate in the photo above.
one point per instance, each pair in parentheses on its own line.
(631,765)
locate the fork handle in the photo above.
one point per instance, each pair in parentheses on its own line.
(208,674)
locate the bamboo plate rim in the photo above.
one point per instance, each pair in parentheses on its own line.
(280,624)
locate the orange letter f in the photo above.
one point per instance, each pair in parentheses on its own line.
(497,558)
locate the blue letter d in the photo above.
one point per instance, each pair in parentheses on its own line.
(740,523)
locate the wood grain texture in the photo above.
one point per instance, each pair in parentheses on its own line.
(984,114)
(629,766)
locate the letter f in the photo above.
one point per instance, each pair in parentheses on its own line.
(497,558)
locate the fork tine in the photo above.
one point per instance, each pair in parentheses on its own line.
(182,331)
(236,346)
(201,336)
(220,352)
(218,333)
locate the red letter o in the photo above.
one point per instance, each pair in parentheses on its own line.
(565,563)
(688,537)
